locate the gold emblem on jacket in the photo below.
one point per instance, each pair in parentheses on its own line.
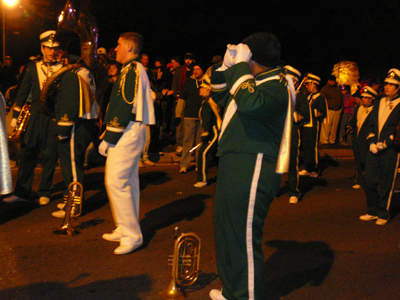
(249,86)
(114,123)
(64,118)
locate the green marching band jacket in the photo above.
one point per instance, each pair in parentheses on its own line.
(254,109)
(75,99)
(130,100)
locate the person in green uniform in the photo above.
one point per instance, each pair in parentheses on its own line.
(251,87)
(40,135)
(310,132)
(301,116)
(130,110)
(76,113)
(382,159)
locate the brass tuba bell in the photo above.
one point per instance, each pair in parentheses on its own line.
(185,265)
(73,209)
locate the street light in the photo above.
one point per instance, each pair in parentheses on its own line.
(6,3)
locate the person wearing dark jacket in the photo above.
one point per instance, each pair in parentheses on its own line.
(301,116)
(40,135)
(210,123)
(359,127)
(382,159)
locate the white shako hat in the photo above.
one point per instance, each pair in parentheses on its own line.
(368,91)
(47,39)
(393,76)
(313,78)
(293,72)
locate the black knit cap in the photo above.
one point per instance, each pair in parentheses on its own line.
(265,48)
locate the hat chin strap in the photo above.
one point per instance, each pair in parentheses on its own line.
(395,93)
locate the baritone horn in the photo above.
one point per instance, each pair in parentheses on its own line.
(185,265)
(22,122)
(73,209)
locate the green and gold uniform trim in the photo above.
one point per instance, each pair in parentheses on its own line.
(244,82)
(115,129)
(131,66)
(218,87)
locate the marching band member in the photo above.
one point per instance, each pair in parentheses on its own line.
(130,110)
(210,122)
(310,135)
(301,116)
(252,88)
(40,135)
(76,112)
(382,159)
(359,125)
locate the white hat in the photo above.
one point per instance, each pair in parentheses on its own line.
(102,50)
(368,91)
(47,39)
(313,78)
(393,76)
(292,72)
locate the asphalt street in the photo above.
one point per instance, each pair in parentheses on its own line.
(316,249)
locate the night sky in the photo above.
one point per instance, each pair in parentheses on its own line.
(314,34)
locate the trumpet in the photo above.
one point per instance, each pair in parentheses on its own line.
(185,265)
(73,209)
(22,122)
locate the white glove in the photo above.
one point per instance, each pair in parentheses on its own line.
(103,148)
(381,145)
(60,137)
(373,148)
(14,123)
(229,58)
(243,53)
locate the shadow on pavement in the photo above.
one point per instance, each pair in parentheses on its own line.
(120,288)
(152,178)
(183,209)
(294,265)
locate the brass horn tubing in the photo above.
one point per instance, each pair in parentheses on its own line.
(187,245)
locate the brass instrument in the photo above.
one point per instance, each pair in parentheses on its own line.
(73,209)
(185,265)
(76,18)
(22,122)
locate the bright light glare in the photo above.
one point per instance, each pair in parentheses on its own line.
(10,3)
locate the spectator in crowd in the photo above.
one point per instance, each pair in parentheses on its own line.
(187,112)
(348,109)
(145,60)
(359,125)
(7,75)
(181,74)
(333,95)
(382,159)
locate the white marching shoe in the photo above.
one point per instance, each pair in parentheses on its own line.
(217,295)
(44,200)
(112,237)
(293,200)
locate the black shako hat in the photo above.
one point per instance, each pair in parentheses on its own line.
(265,48)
